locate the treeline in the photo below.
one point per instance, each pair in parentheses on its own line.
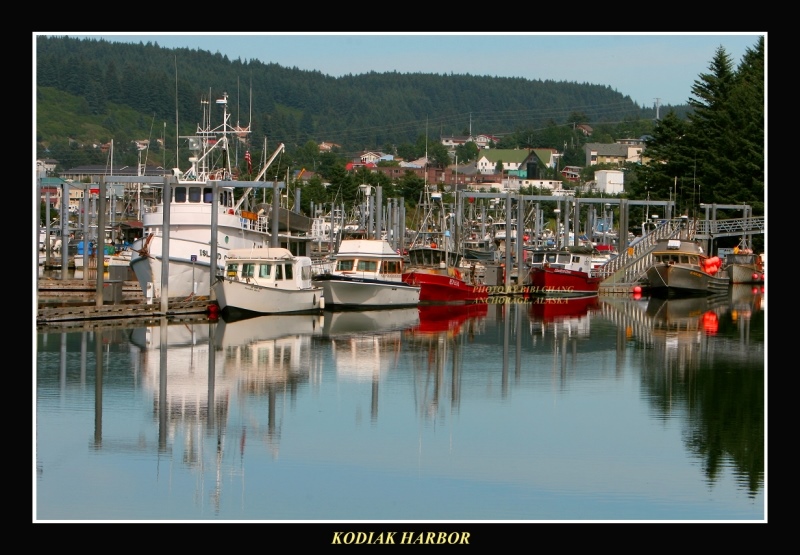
(128,92)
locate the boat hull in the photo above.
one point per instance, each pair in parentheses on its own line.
(561,282)
(745,273)
(240,296)
(353,292)
(444,288)
(680,280)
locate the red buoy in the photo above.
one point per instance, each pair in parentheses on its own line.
(637,289)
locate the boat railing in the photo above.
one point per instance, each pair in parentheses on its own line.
(630,266)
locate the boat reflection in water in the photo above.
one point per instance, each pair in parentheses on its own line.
(437,318)
(704,357)
(368,321)
(571,315)
(685,316)
(211,406)
(366,343)
(549,310)
(436,345)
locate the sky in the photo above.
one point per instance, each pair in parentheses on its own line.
(653,69)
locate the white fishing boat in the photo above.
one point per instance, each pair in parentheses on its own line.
(267,281)
(190,216)
(367,273)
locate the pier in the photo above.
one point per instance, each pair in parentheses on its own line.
(73,302)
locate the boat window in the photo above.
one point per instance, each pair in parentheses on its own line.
(391,266)
(248,270)
(344,265)
(194,194)
(289,271)
(180,194)
(367,265)
(265,271)
(691,259)
(278,271)
(208,195)
(563,258)
(233,269)
(305,273)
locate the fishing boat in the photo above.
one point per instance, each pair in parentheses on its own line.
(367,273)
(190,216)
(564,272)
(681,268)
(434,260)
(267,281)
(744,266)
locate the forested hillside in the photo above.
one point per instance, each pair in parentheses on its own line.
(92,91)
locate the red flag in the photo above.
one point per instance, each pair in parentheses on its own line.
(249,162)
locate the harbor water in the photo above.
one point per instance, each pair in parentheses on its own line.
(518,410)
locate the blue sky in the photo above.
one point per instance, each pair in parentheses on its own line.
(645,67)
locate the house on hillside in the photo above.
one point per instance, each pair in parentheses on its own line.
(454,141)
(45,167)
(371,157)
(609,182)
(571,173)
(512,160)
(485,141)
(620,152)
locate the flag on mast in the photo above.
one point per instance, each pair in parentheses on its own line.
(249,162)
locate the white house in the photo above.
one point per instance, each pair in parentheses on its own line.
(610,182)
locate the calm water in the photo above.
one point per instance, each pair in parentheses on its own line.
(616,409)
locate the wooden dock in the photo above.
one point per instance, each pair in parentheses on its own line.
(72,303)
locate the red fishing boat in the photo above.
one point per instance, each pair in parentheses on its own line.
(563,273)
(434,258)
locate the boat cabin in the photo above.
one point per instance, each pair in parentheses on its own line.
(368,258)
(575,258)
(279,269)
